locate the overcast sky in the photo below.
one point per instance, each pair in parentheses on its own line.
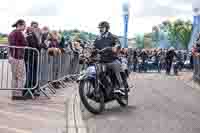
(86,14)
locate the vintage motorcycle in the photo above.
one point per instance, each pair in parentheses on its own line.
(97,83)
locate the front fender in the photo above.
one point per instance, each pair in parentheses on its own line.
(86,76)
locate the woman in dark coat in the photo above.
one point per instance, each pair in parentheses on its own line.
(31,60)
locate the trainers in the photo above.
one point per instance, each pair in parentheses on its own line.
(119,91)
(37,94)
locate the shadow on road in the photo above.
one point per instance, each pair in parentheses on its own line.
(114,110)
(117,110)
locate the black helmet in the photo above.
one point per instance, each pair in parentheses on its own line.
(104,24)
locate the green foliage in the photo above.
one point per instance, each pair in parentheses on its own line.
(139,41)
(184,35)
(155,36)
(3,40)
(178,31)
(76,34)
(172,31)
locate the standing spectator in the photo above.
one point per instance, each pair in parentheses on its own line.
(62,45)
(31,60)
(130,59)
(76,48)
(16,59)
(45,34)
(169,59)
(53,39)
(44,73)
(37,31)
(54,51)
(135,60)
(144,55)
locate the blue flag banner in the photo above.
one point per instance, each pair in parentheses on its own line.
(126,18)
(126,31)
(195,31)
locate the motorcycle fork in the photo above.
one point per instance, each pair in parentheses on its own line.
(108,86)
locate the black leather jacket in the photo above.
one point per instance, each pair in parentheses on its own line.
(108,40)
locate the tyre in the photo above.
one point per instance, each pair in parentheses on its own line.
(86,96)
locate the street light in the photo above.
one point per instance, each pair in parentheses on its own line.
(125,8)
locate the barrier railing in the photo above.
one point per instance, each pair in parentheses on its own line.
(54,69)
(27,69)
(15,70)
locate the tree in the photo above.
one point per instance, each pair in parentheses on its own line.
(172,32)
(76,34)
(178,31)
(148,40)
(155,36)
(139,41)
(185,31)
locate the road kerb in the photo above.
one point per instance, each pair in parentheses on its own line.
(75,123)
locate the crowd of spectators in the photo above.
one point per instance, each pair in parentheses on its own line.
(163,58)
(24,60)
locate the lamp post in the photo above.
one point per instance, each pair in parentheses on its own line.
(126,18)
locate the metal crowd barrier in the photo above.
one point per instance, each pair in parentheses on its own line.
(17,69)
(54,69)
(34,69)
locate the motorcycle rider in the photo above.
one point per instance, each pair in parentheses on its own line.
(169,59)
(112,44)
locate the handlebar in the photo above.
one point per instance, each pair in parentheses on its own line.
(102,50)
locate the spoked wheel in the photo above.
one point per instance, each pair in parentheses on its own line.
(123,100)
(93,102)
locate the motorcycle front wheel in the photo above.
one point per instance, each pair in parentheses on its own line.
(87,96)
(123,100)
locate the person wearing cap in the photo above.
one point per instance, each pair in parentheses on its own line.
(16,58)
(112,44)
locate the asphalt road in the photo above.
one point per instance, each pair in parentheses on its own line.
(158,104)
(41,115)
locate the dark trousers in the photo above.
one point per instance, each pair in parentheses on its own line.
(31,73)
(135,65)
(168,66)
(75,64)
(116,68)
